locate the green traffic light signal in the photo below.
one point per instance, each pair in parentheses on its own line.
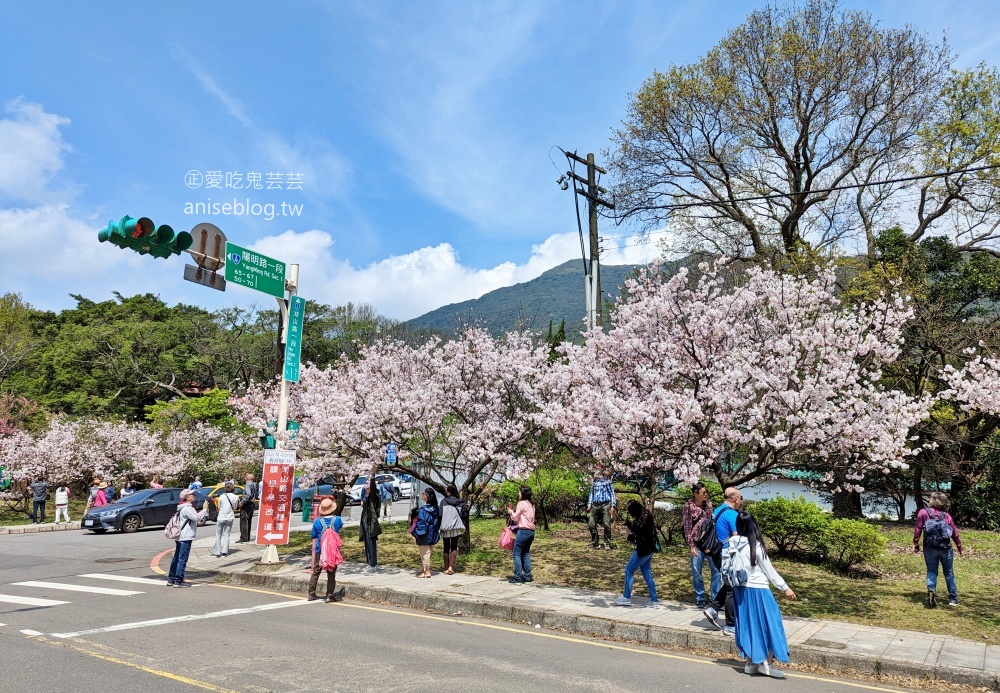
(142,236)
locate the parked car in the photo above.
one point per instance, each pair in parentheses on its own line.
(400,488)
(150,506)
(212,493)
(322,487)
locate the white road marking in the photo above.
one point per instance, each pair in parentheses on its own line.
(27,631)
(76,588)
(123,578)
(29,601)
(180,619)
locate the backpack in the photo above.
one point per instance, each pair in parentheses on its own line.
(734,570)
(173,528)
(329,548)
(707,540)
(937,531)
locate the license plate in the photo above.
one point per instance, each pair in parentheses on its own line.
(88,523)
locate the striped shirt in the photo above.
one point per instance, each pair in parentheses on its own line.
(603,491)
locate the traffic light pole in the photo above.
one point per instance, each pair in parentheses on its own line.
(292,285)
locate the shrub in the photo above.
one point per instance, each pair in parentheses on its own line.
(792,525)
(851,542)
(558,492)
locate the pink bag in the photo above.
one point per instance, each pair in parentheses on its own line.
(507,538)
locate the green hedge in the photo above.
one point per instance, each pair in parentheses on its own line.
(793,525)
(852,542)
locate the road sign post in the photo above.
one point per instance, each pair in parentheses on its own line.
(276,487)
(293,345)
(255,271)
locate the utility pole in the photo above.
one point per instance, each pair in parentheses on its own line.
(592,193)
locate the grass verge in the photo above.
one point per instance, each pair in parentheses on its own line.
(888,593)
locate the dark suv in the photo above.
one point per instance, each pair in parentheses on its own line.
(151,506)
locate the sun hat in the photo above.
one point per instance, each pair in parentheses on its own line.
(102,485)
(327,506)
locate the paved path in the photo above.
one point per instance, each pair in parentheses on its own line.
(829,644)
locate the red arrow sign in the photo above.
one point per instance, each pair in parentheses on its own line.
(276,488)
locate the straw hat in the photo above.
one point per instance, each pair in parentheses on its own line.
(327,506)
(102,485)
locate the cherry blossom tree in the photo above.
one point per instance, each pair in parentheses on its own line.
(736,375)
(463,410)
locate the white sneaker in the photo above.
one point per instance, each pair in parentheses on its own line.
(653,605)
(713,616)
(749,668)
(623,601)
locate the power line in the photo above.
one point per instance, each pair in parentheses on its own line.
(780,196)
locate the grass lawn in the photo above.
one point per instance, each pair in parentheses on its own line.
(889,593)
(10,517)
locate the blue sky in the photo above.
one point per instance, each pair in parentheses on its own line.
(421,134)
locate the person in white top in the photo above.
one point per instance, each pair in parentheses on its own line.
(760,634)
(224,521)
(62,502)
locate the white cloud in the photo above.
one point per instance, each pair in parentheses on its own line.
(33,149)
(405,286)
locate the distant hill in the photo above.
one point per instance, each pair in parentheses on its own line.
(554,296)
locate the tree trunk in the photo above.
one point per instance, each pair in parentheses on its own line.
(847,504)
(918,493)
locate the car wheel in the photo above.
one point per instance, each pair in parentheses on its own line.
(297,505)
(131,523)
(396,495)
(98,530)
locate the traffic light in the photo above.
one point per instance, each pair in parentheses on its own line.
(142,236)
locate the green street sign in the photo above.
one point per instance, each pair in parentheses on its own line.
(255,271)
(293,345)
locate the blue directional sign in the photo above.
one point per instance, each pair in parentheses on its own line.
(390,453)
(293,345)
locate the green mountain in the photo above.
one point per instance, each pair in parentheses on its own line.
(554,296)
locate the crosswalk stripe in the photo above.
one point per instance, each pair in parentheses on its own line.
(76,588)
(29,601)
(123,578)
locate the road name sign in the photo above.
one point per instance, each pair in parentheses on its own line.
(255,271)
(276,487)
(293,344)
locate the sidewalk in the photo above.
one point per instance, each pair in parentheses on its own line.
(828,644)
(29,528)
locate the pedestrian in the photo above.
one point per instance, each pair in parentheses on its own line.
(227,501)
(725,524)
(370,529)
(155,483)
(101,497)
(196,484)
(601,508)
(760,634)
(695,511)
(95,486)
(39,490)
(385,498)
(129,488)
(62,502)
(246,507)
(109,491)
(328,518)
(427,530)
(642,532)
(452,526)
(939,531)
(522,519)
(189,519)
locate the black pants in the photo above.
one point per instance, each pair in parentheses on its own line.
(725,594)
(331,579)
(451,543)
(371,550)
(246,519)
(38,512)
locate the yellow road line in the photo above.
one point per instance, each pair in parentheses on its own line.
(149,670)
(602,644)
(154,564)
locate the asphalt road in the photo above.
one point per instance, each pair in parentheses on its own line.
(225,638)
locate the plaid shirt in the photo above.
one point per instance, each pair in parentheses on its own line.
(603,491)
(692,515)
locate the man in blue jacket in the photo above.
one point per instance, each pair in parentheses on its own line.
(725,527)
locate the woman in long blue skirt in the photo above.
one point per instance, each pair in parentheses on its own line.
(760,634)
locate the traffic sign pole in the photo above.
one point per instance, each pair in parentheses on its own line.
(292,283)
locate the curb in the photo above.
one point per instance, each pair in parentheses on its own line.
(593,626)
(32,529)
